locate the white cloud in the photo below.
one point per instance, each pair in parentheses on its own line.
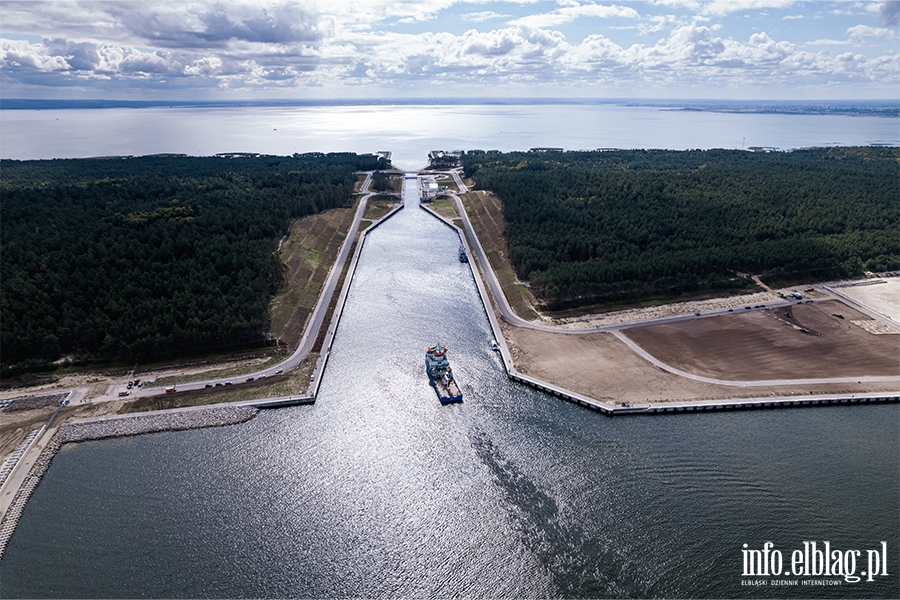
(725,7)
(658,23)
(573,11)
(343,46)
(19,54)
(864,33)
(828,42)
(889,13)
(480,17)
(689,4)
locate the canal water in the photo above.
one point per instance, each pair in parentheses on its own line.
(378,490)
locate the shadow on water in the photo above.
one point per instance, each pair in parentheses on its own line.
(378,490)
(578,563)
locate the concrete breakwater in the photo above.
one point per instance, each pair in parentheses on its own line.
(116,426)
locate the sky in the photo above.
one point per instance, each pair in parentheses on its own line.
(434,49)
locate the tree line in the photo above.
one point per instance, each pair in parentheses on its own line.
(586,227)
(136,258)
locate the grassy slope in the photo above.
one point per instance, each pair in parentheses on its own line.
(486,213)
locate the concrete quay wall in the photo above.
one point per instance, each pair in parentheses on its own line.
(482,291)
(653,408)
(342,300)
(176,419)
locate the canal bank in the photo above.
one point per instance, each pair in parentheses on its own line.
(328,341)
(773,400)
(15,493)
(34,456)
(378,490)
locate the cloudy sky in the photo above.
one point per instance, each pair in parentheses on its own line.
(260,49)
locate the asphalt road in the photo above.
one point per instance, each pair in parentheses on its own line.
(310,333)
(512,318)
(507,313)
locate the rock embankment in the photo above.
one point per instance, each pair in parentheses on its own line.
(108,427)
(213,416)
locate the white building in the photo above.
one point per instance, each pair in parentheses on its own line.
(430,189)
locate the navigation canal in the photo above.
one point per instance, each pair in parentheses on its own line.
(378,490)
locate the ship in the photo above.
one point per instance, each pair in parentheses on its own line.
(440,373)
(462,255)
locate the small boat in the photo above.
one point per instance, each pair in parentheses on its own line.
(462,255)
(495,346)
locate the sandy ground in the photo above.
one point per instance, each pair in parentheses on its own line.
(752,346)
(17,425)
(602,367)
(678,308)
(744,346)
(98,383)
(883,298)
(792,342)
(90,387)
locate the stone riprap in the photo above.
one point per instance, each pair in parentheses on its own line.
(214,416)
(119,426)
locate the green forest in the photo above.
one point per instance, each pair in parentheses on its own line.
(140,258)
(590,227)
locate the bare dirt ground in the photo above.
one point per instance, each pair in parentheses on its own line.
(603,367)
(375,208)
(446,209)
(486,214)
(597,365)
(17,425)
(690,307)
(793,342)
(97,381)
(309,252)
(800,342)
(883,298)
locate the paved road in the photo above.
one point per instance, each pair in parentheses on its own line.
(23,468)
(829,289)
(506,311)
(511,317)
(310,333)
(755,383)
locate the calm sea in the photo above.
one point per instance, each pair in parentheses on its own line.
(378,490)
(411,131)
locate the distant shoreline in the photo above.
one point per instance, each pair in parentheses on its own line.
(885,107)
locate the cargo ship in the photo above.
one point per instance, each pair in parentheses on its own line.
(440,373)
